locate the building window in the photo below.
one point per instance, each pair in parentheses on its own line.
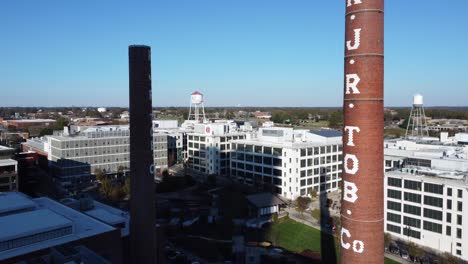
(448,230)
(394,194)
(459,220)
(394,218)
(409,221)
(394,206)
(449,204)
(449,191)
(412,209)
(413,185)
(393,229)
(433,227)
(393,182)
(459,206)
(459,233)
(432,214)
(460,193)
(413,197)
(434,188)
(434,201)
(407,231)
(449,218)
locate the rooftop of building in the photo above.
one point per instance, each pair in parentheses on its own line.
(31,120)
(104,213)
(266,199)
(328,133)
(289,138)
(31,222)
(37,143)
(458,179)
(22,214)
(5,148)
(7,162)
(13,201)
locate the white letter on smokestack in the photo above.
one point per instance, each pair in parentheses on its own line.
(355,2)
(350,191)
(355,167)
(357,40)
(352,85)
(345,231)
(350,130)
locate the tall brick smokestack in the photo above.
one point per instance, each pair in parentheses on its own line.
(362,204)
(142,203)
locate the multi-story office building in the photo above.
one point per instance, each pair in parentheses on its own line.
(8,170)
(428,210)
(75,153)
(209,147)
(176,139)
(426,194)
(8,175)
(295,162)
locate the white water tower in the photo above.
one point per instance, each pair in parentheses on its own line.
(196,104)
(417,125)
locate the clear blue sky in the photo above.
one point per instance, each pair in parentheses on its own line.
(242,52)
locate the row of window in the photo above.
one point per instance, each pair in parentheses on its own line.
(321,150)
(428,187)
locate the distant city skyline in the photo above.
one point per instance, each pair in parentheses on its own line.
(246,53)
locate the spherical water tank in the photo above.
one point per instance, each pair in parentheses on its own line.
(197,98)
(417,100)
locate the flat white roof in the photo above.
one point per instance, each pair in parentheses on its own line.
(105,216)
(13,201)
(8,162)
(83,225)
(29,223)
(124,215)
(31,120)
(284,144)
(5,148)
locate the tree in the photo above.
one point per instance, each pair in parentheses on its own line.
(313,193)
(337,221)
(106,187)
(46,131)
(126,187)
(414,250)
(116,193)
(336,119)
(99,173)
(302,203)
(60,123)
(120,171)
(387,239)
(450,259)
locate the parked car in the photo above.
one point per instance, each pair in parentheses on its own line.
(404,254)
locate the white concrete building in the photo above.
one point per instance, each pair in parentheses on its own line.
(426,194)
(294,162)
(428,210)
(209,147)
(75,153)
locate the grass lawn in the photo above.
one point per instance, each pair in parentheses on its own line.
(294,236)
(390,261)
(297,237)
